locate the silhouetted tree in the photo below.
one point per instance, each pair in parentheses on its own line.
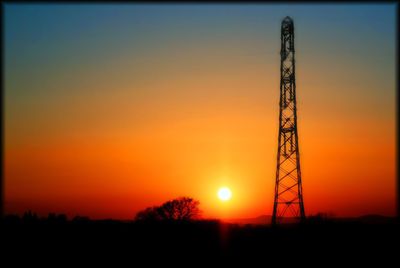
(149,214)
(30,217)
(54,218)
(182,209)
(80,219)
(320,217)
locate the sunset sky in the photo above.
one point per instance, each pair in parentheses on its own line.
(110,108)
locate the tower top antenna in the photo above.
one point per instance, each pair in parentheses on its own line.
(287,18)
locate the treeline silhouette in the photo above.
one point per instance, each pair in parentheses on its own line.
(173,233)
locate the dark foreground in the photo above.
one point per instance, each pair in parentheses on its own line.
(191,243)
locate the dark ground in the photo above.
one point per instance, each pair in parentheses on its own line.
(321,242)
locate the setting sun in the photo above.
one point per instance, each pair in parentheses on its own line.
(224,194)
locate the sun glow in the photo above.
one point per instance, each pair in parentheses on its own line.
(224,194)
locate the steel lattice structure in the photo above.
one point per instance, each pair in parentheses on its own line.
(288,201)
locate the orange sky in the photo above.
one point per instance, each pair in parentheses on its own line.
(108,136)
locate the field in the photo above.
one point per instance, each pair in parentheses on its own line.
(329,241)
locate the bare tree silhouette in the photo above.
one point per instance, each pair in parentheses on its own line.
(182,209)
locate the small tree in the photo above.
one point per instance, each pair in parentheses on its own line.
(181,209)
(149,214)
(30,217)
